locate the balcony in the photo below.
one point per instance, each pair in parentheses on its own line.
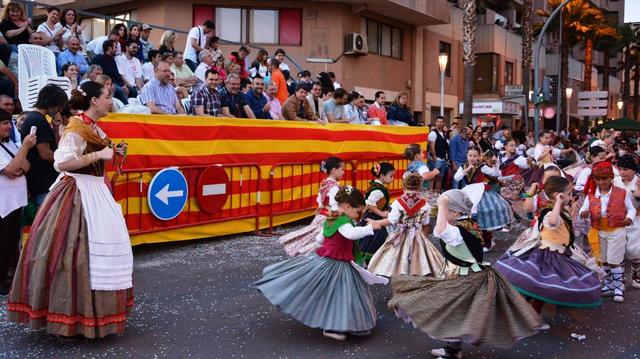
(414,12)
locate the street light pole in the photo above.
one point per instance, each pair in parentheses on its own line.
(443,58)
(536,67)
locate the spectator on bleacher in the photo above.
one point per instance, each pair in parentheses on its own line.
(36,38)
(206,59)
(122,31)
(92,73)
(213,45)
(94,47)
(70,71)
(52,30)
(205,101)
(69,20)
(280,55)
(399,113)
(245,86)
(275,109)
(377,111)
(232,101)
(105,81)
(316,103)
(7,104)
(218,65)
(256,99)
(297,108)
(332,77)
(110,68)
(148,68)
(5,50)
(277,78)
(184,75)
(168,57)
(51,100)
(352,108)
(144,40)
(334,108)
(159,95)
(72,55)
(15,27)
(260,65)
(130,68)
(181,92)
(134,35)
(167,42)
(196,41)
(8,81)
(13,166)
(239,58)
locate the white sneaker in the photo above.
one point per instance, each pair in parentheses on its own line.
(505,230)
(438,352)
(336,336)
(618,296)
(545,326)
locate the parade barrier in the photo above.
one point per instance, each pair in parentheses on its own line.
(197,177)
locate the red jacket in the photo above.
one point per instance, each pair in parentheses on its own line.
(616,210)
(235,58)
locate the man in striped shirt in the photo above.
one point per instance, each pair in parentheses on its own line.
(159,95)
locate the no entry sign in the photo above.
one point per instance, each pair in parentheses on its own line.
(213,189)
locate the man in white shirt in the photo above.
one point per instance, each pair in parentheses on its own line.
(130,68)
(95,46)
(148,71)
(196,41)
(315,99)
(206,59)
(280,56)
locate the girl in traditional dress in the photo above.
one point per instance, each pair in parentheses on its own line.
(407,249)
(74,276)
(377,200)
(414,153)
(535,199)
(305,240)
(511,166)
(630,181)
(326,289)
(543,154)
(475,304)
(545,270)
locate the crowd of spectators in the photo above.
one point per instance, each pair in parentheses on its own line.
(204,80)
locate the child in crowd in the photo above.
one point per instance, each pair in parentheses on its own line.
(377,200)
(470,172)
(536,199)
(326,289)
(305,240)
(545,270)
(407,249)
(475,304)
(414,153)
(630,181)
(610,210)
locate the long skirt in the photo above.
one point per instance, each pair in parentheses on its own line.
(478,308)
(320,293)
(407,251)
(370,244)
(494,212)
(51,287)
(304,240)
(552,277)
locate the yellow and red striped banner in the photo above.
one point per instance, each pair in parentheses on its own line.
(192,143)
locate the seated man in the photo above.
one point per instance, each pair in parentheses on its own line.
(206,99)
(297,108)
(159,95)
(256,99)
(110,68)
(232,100)
(184,75)
(72,55)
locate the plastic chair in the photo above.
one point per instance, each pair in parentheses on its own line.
(186,103)
(117,104)
(134,101)
(36,69)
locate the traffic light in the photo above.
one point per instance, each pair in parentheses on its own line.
(548,85)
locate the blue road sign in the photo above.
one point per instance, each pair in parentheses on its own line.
(168,194)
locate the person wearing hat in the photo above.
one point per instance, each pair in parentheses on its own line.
(628,179)
(144,40)
(608,219)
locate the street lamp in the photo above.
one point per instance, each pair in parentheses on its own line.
(620,105)
(568,91)
(443,58)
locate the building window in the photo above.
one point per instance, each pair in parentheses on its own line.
(445,48)
(253,25)
(486,73)
(508,73)
(383,39)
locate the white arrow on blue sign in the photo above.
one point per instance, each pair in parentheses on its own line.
(168,194)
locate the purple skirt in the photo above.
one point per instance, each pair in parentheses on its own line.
(552,277)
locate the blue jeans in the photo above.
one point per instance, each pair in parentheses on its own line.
(192,65)
(454,183)
(441,165)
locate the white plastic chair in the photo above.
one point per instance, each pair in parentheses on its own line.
(117,104)
(134,101)
(186,103)
(36,69)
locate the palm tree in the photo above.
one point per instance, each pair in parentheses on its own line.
(595,27)
(628,40)
(610,46)
(527,44)
(469,28)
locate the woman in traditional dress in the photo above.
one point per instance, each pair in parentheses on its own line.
(543,154)
(306,240)
(475,304)
(407,249)
(545,270)
(377,200)
(74,276)
(326,289)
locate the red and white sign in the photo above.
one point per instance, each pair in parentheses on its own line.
(213,189)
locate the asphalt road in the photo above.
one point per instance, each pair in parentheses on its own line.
(195,300)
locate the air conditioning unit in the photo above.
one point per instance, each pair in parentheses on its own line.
(355,44)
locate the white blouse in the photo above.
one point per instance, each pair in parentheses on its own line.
(397,210)
(71,146)
(14,190)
